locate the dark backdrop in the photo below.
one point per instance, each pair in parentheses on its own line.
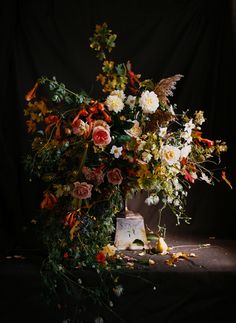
(49,37)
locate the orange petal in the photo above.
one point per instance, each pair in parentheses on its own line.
(32,93)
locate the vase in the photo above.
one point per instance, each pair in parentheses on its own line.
(130,233)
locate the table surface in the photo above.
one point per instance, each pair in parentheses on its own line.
(198,288)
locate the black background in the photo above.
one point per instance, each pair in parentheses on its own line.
(51,38)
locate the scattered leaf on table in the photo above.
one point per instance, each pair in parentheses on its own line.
(178,255)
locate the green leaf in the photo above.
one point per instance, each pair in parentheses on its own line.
(152,236)
(123,138)
(120,69)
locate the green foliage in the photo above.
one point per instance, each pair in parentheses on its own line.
(103,40)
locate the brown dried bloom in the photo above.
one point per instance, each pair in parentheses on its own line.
(165,88)
(159,119)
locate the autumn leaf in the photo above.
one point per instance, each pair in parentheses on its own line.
(178,255)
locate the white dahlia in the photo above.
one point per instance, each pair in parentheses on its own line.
(149,102)
(114,103)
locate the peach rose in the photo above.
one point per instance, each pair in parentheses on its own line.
(82,190)
(101,136)
(101,123)
(114,176)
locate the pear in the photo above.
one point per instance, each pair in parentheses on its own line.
(161,246)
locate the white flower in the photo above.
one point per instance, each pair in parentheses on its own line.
(205,178)
(149,102)
(119,93)
(189,126)
(199,117)
(176,202)
(131,101)
(141,145)
(152,200)
(162,132)
(135,131)
(185,151)
(118,290)
(177,185)
(114,103)
(146,156)
(171,109)
(116,151)
(170,154)
(169,199)
(187,136)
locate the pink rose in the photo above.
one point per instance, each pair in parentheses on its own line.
(93,175)
(101,136)
(114,176)
(82,190)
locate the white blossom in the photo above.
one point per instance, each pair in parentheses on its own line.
(171,109)
(189,126)
(176,202)
(116,151)
(199,117)
(146,156)
(162,132)
(118,290)
(205,178)
(149,102)
(119,93)
(131,101)
(170,154)
(152,199)
(141,145)
(114,103)
(135,131)
(185,151)
(187,136)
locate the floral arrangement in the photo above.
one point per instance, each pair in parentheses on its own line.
(93,153)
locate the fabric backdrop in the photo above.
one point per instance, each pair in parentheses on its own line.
(51,38)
